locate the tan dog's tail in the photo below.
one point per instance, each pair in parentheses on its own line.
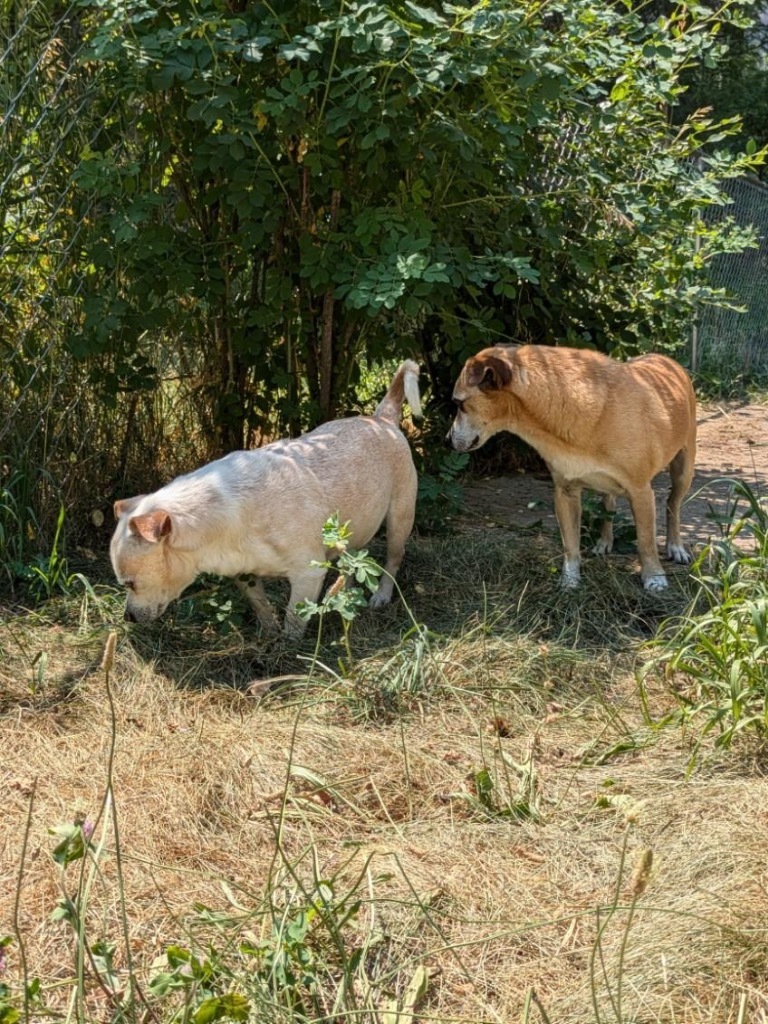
(405,385)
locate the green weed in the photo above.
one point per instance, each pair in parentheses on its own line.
(716,653)
(48,575)
(358,574)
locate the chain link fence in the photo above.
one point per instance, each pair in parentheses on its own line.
(733,343)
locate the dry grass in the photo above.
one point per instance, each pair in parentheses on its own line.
(241,802)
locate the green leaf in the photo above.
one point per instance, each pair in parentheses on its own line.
(229,1007)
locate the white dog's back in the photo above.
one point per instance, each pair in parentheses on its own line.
(261,513)
(291,485)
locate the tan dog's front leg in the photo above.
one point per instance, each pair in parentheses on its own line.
(643,502)
(605,543)
(253,589)
(681,474)
(568,511)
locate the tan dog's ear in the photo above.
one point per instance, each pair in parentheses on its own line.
(152,527)
(126,505)
(489,373)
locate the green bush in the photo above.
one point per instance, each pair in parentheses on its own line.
(242,207)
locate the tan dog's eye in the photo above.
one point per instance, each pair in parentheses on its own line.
(459,403)
(129,585)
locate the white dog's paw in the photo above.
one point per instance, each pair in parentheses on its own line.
(603,547)
(656,583)
(380,599)
(677,553)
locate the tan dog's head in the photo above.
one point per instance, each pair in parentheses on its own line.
(476,396)
(144,561)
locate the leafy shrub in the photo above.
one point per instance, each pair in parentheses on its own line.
(257,201)
(440,496)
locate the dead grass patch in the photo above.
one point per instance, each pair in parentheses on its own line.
(245,804)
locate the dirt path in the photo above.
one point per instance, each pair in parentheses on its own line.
(732,442)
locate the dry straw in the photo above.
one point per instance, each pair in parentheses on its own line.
(245,805)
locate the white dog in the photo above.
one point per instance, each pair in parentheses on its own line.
(261,513)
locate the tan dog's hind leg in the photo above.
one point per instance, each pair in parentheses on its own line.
(681,474)
(253,589)
(568,511)
(643,502)
(605,543)
(400,518)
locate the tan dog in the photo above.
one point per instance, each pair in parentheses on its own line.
(597,423)
(261,513)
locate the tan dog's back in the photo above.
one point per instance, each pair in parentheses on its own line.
(579,401)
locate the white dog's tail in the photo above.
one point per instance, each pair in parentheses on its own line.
(405,385)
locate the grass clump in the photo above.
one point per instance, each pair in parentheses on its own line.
(715,654)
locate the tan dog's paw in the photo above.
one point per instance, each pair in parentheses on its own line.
(677,553)
(603,547)
(656,583)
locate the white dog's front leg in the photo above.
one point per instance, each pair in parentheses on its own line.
(253,589)
(305,586)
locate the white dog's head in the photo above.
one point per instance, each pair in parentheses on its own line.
(144,560)
(482,382)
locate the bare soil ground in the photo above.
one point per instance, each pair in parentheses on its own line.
(732,443)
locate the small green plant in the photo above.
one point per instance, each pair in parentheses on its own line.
(225,611)
(716,654)
(614,982)
(213,600)
(11,532)
(196,982)
(384,690)
(358,574)
(47,575)
(291,960)
(9,1012)
(513,795)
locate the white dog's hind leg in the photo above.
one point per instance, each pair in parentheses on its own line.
(253,589)
(305,586)
(400,516)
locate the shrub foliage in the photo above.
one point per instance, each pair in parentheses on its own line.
(248,204)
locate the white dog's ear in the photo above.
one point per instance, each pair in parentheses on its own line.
(125,505)
(152,527)
(489,373)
